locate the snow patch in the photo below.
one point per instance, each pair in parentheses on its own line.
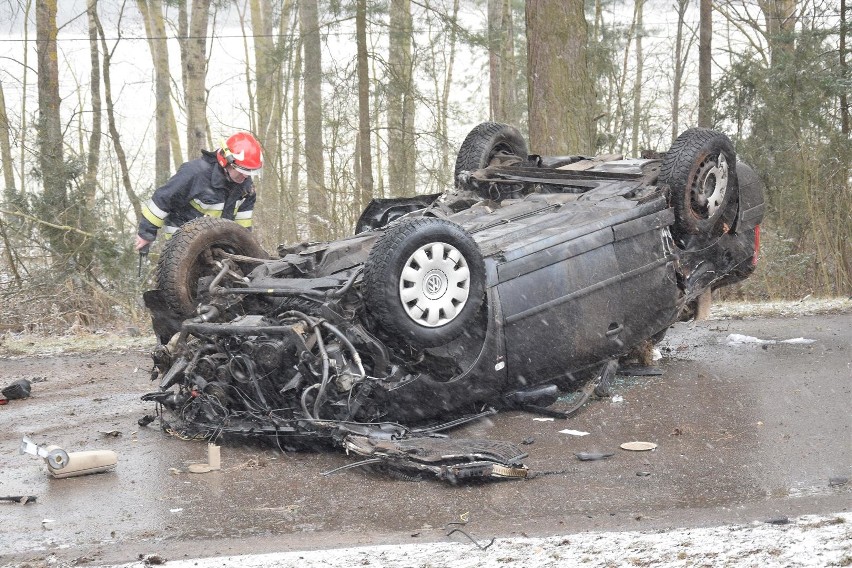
(806,541)
(738,339)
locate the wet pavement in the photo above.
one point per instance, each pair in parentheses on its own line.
(744,432)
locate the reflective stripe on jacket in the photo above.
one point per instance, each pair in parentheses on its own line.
(199,188)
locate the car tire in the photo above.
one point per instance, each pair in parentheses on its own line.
(187,256)
(424,281)
(700,171)
(483,143)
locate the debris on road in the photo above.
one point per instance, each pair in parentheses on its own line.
(638,446)
(62,464)
(145,420)
(213,461)
(22,499)
(17,390)
(456,527)
(574,432)
(593,456)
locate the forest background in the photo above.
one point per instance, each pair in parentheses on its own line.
(101,101)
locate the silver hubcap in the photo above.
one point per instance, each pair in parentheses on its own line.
(713,185)
(434,284)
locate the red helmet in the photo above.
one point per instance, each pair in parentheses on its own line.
(242,151)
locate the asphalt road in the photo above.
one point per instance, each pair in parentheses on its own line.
(747,428)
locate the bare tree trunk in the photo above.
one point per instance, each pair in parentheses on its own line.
(781,18)
(317,200)
(844,72)
(265,122)
(174,137)
(183,43)
(152,16)
(7,252)
(495,17)
(49,134)
(501,53)
(364,158)
(679,62)
(637,88)
(93,158)
(6,151)
(401,150)
(196,74)
(380,189)
(24,88)
(557,71)
(443,121)
(705,109)
(705,85)
(113,129)
(296,151)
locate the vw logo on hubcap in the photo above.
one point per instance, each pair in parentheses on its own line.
(434,285)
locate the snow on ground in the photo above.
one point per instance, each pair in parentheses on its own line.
(805,541)
(807,306)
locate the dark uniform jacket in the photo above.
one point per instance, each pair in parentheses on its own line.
(200,187)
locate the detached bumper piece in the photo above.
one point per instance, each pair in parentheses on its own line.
(447,459)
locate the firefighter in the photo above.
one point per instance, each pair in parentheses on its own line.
(218,184)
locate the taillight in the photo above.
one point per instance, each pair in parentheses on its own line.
(754,257)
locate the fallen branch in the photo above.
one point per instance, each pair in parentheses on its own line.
(52,225)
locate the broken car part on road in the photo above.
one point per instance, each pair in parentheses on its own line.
(530,278)
(63,464)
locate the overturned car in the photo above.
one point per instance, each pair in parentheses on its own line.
(530,278)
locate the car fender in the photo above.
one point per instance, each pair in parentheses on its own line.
(751,195)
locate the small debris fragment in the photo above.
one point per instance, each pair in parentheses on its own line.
(837,481)
(593,456)
(213,461)
(111,433)
(643,473)
(22,499)
(540,419)
(527,441)
(778,521)
(574,432)
(19,389)
(616,399)
(178,510)
(638,446)
(145,420)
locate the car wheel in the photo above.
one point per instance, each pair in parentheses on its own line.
(700,170)
(424,281)
(190,254)
(484,142)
